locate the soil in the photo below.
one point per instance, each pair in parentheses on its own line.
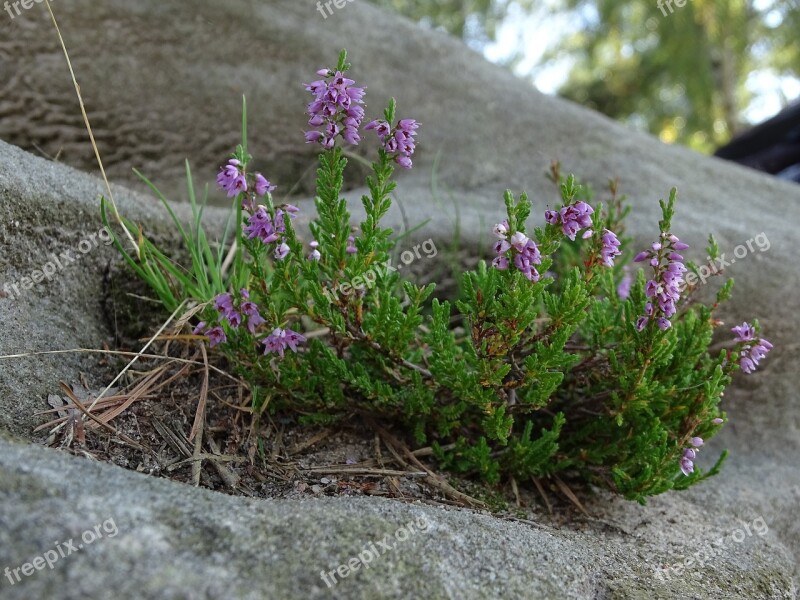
(269,457)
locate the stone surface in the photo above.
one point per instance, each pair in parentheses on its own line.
(160,541)
(163,81)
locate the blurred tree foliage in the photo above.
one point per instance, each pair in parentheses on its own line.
(473,20)
(681,75)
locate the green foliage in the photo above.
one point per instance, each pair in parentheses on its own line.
(682,73)
(544,374)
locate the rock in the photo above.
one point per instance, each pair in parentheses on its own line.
(162,84)
(151,538)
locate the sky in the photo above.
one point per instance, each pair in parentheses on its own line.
(536,33)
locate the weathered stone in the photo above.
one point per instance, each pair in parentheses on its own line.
(163,81)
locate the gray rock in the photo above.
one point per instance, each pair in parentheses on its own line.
(162,83)
(156,539)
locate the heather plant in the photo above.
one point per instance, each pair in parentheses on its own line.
(565,361)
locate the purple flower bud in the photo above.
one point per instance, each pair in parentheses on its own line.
(282,251)
(500,262)
(500,231)
(717,421)
(624,287)
(642,256)
(263,185)
(216,336)
(234,318)
(697,442)
(687,466)
(744,332)
(518,240)
(551,217)
(501,247)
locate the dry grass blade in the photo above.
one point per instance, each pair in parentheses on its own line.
(200,414)
(230,478)
(66,389)
(120,353)
(89,129)
(297,448)
(542,493)
(433,479)
(571,495)
(135,358)
(357,470)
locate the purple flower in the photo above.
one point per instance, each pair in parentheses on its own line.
(398,141)
(751,355)
(253,321)
(696,442)
(753,349)
(717,421)
(200,326)
(519,240)
(351,245)
(501,247)
(282,251)
(231,179)
(335,109)
(610,248)
(260,225)
(280,339)
(315,254)
(224,304)
(665,287)
(234,318)
(500,262)
(687,466)
(500,230)
(689,453)
(573,218)
(249,308)
(524,250)
(624,287)
(263,185)
(744,332)
(216,336)
(551,217)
